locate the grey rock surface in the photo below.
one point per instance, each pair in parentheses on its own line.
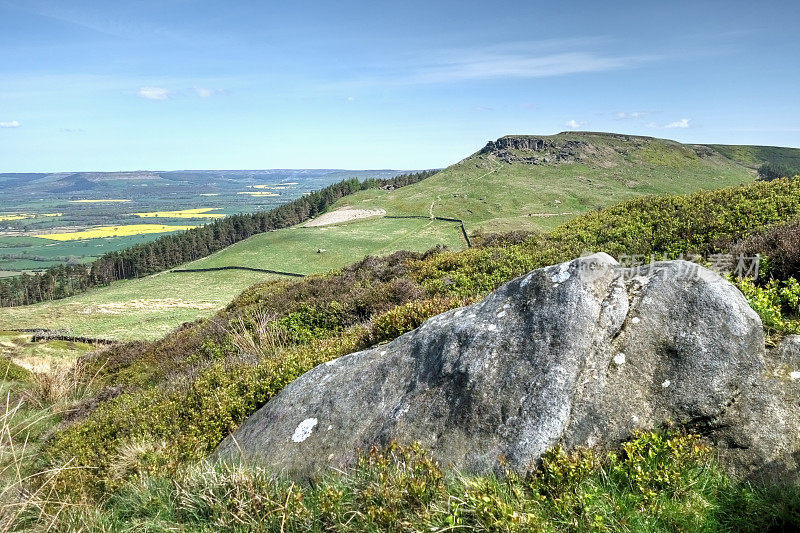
(577,354)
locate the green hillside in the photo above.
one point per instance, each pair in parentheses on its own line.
(516,182)
(150,307)
(526,182)
(755,156)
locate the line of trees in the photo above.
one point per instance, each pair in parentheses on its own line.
(176,249)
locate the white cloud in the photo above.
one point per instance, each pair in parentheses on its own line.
(631,114)
(154,93)
(651,125)
(509,60)
(351,98)
(574,124)
(11,124)
(204,92)
(492,65)
(682,123)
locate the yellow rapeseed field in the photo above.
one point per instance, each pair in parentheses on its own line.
(259,193)
(281,186)
(202,212)
(113,231)
(23,216)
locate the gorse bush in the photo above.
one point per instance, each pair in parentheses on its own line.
(187,391)
(407,317)
(776,302)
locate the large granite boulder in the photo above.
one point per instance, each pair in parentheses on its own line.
(577,354)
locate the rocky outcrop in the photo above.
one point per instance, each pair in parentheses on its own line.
(553,150)
(577,354)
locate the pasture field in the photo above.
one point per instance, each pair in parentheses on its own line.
(148,308)
(102,201)
(39,356)
(296,249)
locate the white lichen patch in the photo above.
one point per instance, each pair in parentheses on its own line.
(635,320)
(491,327)
(304,429)
(619,358)
(794,375)
(666,383)
(562,274)
(525,281)
(501,314)
(383,353)
(635,419)
(458,313)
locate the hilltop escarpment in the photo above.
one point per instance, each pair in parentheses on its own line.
(579,147)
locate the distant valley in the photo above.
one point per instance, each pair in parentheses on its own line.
(49,219)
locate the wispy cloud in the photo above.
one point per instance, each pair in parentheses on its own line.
(574,124)
(518,65)
(204,92)
(682,123)
(517,60)
(631,114)
(10,124)
(154,93)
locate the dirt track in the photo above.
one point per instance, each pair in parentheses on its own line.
(344,214)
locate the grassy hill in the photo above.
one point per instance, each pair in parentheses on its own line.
(526,182)
(516,182)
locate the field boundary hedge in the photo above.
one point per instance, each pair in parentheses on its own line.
(43,335)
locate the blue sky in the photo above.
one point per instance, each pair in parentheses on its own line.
(191,84)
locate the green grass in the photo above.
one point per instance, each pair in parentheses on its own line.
(149,308)
(655,482)
(296,249)
(146,308)
(755,156)
(17,347)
